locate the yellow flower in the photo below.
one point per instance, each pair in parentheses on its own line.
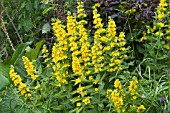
(161,15)
(86,100)
(80,10)
(168,38)
(37,86)
(117,61)
(117,100)
(158,33)
(114,53)
(28,89)
(134,97)
(59,84)
(112,44)
(13,75)
(97,5)
(23,91)
(166,47)
(47,59)
(133,87)
(17,80)
(21,86)
(109,92)
(96,16)
(78,80)
(83,94)
(96,81)
(117,84)
(90,77)
(97,20)
(78,104)
(44,51)
(141,109)
(88,72)
(80,89)
(29,67)
(76,66)
(28,95)
(122,48)
(34,77)
(122,35)
(107,48)
(160,24)
(143,38)
(104,39)
(96,89)
(60,79)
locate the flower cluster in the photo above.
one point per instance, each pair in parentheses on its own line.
(29,68)
(76,51)
(133,89)
(17,80)
(45,53)
(97,48)
(106,45)
(161,9)
(80,10)
(119,96)
(82,93)
(160,29)
(78,60)
(82,65)
(59,50)
(60,54)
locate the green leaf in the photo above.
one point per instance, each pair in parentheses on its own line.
(111,78)
(162,57)
(29,7)
(87,87)
(27,24)
(23,5)
(47,9)
(19,52)
(57,107)
(131,63)
(36,111)
(4,67)
(76,110)
(140,49)
(123,77)
(46,28)
(45,1)
(75,99)
(101,105)
(105,68)
(19,68)
(3,82)
(79,110)
(101,86)
(33,54)
(74,92)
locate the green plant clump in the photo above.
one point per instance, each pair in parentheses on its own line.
(84,73)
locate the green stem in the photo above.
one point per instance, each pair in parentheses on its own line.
(11,106)
(99,102)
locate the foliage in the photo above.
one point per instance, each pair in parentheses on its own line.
(23,22)
(93,70)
